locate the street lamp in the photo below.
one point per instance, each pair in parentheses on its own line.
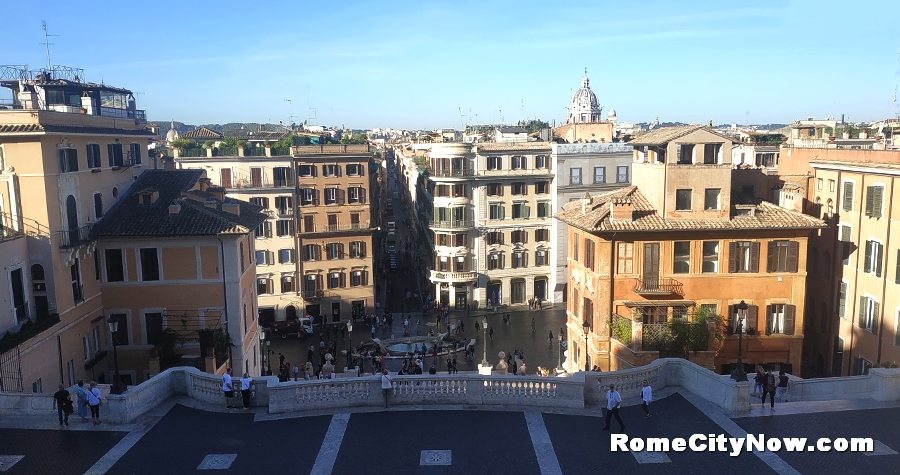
(586,326)
(263,352)
(117,386)
(485,366)
(738,373)
(559,352)
(350,340)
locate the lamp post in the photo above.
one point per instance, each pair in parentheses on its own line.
(350,341)
(559,352)
(263,352)
(586,326)
(485,367)
(738,373)
(117,386)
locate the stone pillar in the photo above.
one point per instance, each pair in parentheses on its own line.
(240,149)
(637,335)
(451,299)
(268,150)
(437,292)
(208,152)
(176,151)
(154,366)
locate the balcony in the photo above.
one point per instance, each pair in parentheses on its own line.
(74,237)
(658,286)
(313,295)
(452,173)
(517,171)
(338,228)
(241,183)
(439,276)
(452,224)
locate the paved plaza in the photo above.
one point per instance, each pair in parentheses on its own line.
(183,436)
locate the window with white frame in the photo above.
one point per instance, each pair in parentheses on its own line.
(331,196)
(494,163)
(496,211)
(540,161)
(575,176)
(518,162)
(874,252)
(710,257)
(868,314)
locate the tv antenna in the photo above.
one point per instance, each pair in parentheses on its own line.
(47,44)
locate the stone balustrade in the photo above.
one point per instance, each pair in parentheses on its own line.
(577,391)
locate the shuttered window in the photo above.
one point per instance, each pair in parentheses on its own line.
(780,319)
(743,256)
(874,199)
(783,256)
(848,196)
(874,252)
(869,310)
(842,300)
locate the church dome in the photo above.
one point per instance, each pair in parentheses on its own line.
(584,107)
(611,114)
(172,134)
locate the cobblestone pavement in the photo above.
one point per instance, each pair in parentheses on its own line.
(403,440)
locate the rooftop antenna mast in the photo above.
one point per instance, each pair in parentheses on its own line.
(47,44)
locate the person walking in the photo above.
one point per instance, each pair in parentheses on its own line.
(280,359)
(387,384)
(245,388)
(296,371)
(550,338)
(228,389)
(94,403)
(491,333)
(613,401)
(646,397)
(81,395)
(769,384)
(532,324)
(758,380)
(783,384)
(59,403)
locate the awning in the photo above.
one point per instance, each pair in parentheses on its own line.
(658,303)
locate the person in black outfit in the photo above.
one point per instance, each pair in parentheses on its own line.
(769,384)
(59,401)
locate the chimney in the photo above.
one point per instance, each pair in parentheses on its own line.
(233,208)
(210,203)
(174,208)
(217,191)
(168,164)
(622,209)
(585,202)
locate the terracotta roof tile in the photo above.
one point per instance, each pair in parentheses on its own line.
(596,217)
(20,128)
(201,133)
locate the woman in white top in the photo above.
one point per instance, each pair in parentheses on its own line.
(245,390)
(646,397)
(93,397)
(387,384)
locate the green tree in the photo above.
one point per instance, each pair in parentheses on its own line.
(534,125)
(233,142)
(182,143)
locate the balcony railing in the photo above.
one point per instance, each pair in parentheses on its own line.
(440,276)
(454,224)
(22,313)
(267,183)
(452,172)
(336,228)
(316,294)
(135,114)
(74,237)
(518,171)
(254,151)
(658,286)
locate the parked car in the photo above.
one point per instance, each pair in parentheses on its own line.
(294,328)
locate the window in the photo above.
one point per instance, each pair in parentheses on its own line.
(575,248)
(287,284)
(114,153)
(543,209)
(260,201)
(460,264)
(682,200)
(624,258)
(331,196)
(264,230)
(494,163)
(541,187)
(98,205)
(359,277)
(540,161)
(261,258)
(743,256)
(783,256)
(93,156)
(589,254)
(575,176)
(519,162)
(284,227)
(842,300)
(355,169)
(541,235)
(495,261)
(286,256)
(497,211)
(848,196)
(711,199)
(869,310)
(520,211)
(829,207)
(461,239)
(710,257)
(711,152)
(709,308)
(442,239)
(284,204)
(264,286)
(335,280)
(519,236)
(358,249)
(306,171)
(313,282)
(622,174)
(682,257)
(540,258)
(115,265)
(444,190)
(780,319)
(121,335)
(519,259)
(281,176)
(897,329)
(331,170)
(459,191)
(519,188)
(874,251)
(334,250)
(831,186)
(495,237)
(443,264)
(495,189)
(307,196)
(149,264)
(312,252)
(241,250)
(309,223)
(134,153)
(819,184)
(599,175)
(874,196)
(153,322)
(68,160)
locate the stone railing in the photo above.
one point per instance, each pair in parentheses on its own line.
(350,393)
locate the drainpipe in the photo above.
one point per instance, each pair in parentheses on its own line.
(853,315)
(887,242)
(612,292)
(224,292)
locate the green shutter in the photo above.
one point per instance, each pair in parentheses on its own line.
(875,314)
(862,311)
(879,252)
(848,196)
(870,196)
(878,196)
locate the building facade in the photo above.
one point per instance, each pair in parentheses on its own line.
(678,241)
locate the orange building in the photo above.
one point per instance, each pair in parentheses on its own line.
(677,242)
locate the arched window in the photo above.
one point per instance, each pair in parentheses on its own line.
(814,262)
(830,206)
(37,272)
(828,268)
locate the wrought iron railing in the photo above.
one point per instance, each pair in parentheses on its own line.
(225,152)
(280,151)
(252,151)
(454,223)
(452,172)
(657,286)
(74,237)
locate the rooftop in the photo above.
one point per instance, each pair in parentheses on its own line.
(513,146)
(597,218)
(199,212)
(202,133)
(665,135)
(512,129)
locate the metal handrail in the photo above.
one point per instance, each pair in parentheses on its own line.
(74,237)
(661,286)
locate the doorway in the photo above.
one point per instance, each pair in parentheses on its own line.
(462,299)
(335,312)
(493,293)
(18,295)
(651,266)
(540,288)
(314,311)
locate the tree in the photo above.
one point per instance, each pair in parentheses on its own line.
(357,138)
(233,142)
(534,125)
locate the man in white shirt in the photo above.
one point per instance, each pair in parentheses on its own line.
(613,401)
(228,388)
(646,397)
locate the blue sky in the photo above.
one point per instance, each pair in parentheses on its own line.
(417,64)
